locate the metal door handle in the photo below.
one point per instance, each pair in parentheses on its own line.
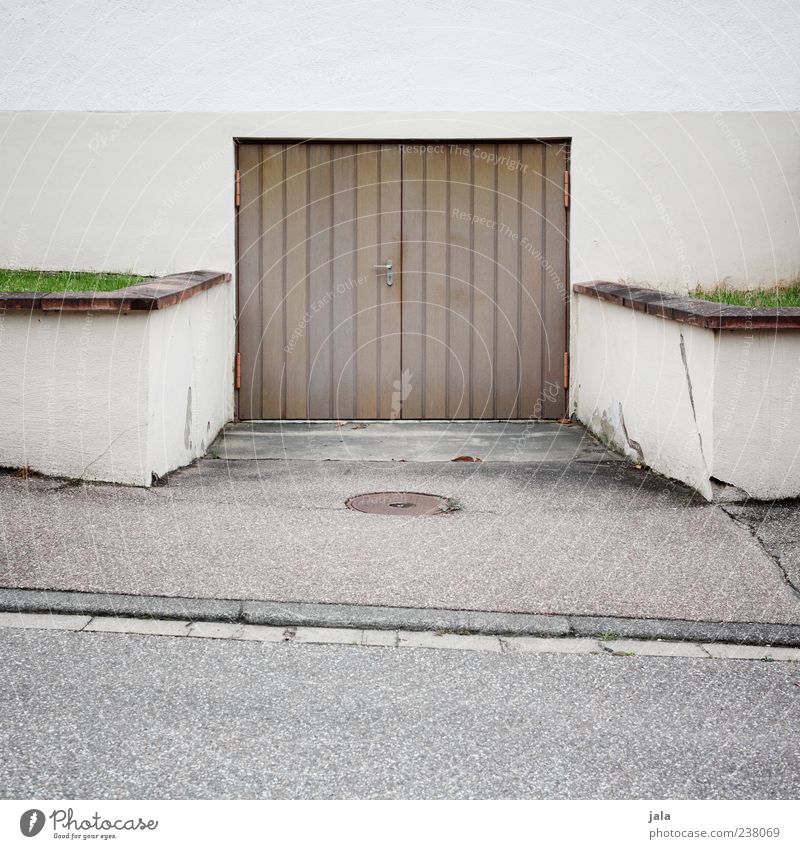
(389,269)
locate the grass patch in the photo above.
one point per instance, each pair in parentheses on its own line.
(775,297)
(20,280)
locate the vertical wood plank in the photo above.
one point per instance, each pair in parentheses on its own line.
(554,277)
(484,281)
(508,280)
(319,329)
(272,384)
(460,280)
(435,251)
(531,271)
(413,282)
(296,279)
(249,281)
(389,375)
(344,281)
(368,322)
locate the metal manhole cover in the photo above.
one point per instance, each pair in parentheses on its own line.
(401,504)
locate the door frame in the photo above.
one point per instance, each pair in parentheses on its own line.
(565,141)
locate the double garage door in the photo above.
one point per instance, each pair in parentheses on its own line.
(389,280)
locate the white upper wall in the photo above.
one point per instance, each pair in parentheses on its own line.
(539,55)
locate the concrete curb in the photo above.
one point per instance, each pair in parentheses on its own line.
(395,640)
(299,614)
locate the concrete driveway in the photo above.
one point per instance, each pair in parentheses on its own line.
(585,533)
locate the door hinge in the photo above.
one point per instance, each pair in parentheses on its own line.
(237,371)
(566,369)
(566,189)
(238,192)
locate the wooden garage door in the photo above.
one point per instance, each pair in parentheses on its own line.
(473,324)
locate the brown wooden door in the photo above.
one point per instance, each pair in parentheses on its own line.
(484,281)
(319,329)
(474,325)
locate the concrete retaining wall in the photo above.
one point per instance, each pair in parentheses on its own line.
(757,412)
(109,394)
(699,404)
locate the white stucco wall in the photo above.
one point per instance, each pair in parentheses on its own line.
(117,124)
(73,394)
(705,407)
(757,412)
(373,55)
(103,397)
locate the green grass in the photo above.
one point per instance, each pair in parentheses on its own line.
(776,297)
(15,280)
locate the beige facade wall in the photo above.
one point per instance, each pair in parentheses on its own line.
(672,200)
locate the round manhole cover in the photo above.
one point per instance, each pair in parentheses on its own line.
(400,504)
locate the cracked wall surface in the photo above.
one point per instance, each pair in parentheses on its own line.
(644,386)
(718,410)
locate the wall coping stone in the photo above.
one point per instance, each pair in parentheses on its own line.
(148,295)
(693,311)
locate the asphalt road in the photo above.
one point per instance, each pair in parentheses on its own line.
(85,715)
(581,538)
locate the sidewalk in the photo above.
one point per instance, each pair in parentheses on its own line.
(580,538)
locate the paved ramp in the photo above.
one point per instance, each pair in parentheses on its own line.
(420,442)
